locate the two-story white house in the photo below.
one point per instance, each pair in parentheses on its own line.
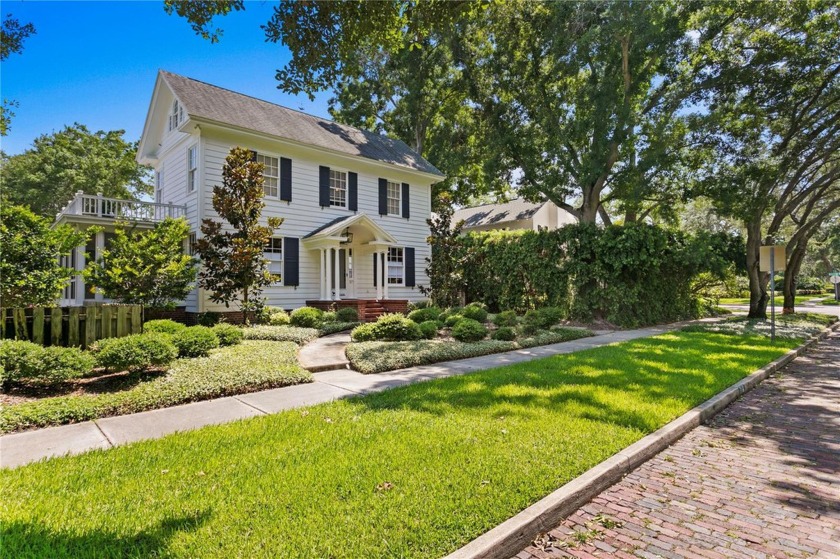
(354,203)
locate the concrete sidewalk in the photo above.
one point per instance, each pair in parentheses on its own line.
(325,354)
(29,446)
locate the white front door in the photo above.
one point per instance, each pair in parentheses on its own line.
(348,288)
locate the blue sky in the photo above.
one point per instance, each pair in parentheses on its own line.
(95,63)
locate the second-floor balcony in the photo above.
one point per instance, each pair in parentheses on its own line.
(98,206)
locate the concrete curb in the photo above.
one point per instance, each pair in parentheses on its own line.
(510,537)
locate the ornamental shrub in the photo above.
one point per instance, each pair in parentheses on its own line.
(469,330)
(505,334)
(163,326)
(428,329)
(347,314)
(541,319)
(208,318)
(275,316)
(424,314)
(363,333)
(25,361)
(474,311)
(394,327)
(414,305)
(228,334)
(329,316)
(195,341)
(307,317)
(449,312)
(135,352)
(452,320)
(506,318)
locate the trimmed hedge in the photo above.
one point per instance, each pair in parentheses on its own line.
(469,330)
(347,314)
(24,361)
(293,334)
(307,317)
(474,311)
(247,367)
(163,326)
(505,334)
(424,314)
(429,329)
(228,334)
(136,352)
(196,341)
(389,327)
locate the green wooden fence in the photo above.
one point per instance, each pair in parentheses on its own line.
(71,326)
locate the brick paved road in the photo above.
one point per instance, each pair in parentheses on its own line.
(762,480)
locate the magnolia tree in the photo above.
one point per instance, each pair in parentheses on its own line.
(145,267)
(234,267)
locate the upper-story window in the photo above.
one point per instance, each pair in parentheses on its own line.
(394,192)
(192,168)
(271,174)
(176,115)
(159,187)
(274,254)
(338,188)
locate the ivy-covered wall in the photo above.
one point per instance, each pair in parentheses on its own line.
(629,275)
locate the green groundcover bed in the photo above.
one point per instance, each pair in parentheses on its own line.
(250,366)
(412,472)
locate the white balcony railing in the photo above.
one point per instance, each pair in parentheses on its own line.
(96,205)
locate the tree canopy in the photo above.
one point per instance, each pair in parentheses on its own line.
(47,176)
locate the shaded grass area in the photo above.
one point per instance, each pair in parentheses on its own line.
(377,357)
(797,300)
(412,472)
(250,366)
(796,326)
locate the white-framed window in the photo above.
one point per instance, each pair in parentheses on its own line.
(191,244)
(271,174)
(396,266)
(394,198)
(192,168)
(159,187)
(338,188)
(176,115)
(274,254)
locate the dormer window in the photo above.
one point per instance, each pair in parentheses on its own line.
(176,116)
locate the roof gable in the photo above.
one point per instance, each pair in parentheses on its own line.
(216,104)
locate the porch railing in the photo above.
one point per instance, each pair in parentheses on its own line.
(96,205)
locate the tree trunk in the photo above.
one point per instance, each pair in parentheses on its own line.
(758,279)
(589,207)
(794,263)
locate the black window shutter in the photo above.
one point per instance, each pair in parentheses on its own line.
(409,267)
(383,196)
(253,155)
(291,261)
(352,192)
(324,186)
(375,275)
(285,179)
(405,200)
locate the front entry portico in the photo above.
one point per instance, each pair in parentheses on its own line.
(344,246)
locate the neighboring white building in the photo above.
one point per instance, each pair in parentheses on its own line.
(354,203)
(516,214)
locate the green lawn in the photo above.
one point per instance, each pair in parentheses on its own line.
(412,472)
(250,366)
(798,300)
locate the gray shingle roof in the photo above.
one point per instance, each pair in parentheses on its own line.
(492,214)
(210,102)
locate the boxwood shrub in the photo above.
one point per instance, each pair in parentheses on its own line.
(24,361)
(164,326)
(135,352)
(452,320)
(196,341)
(329,316)
(425,314)
(228,334)
(277,316)
(505,334)
(506,318)
(363,333)
(391,327)
(428,329)
(307,317)
(475,312)
(347,314)
(469,330)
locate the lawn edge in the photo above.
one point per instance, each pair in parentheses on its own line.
(511,536)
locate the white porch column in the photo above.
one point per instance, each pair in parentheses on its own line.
(328,274)
(80,280)
(322,271)
(385,272)
(100,246)
(337,272)
(378,277)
